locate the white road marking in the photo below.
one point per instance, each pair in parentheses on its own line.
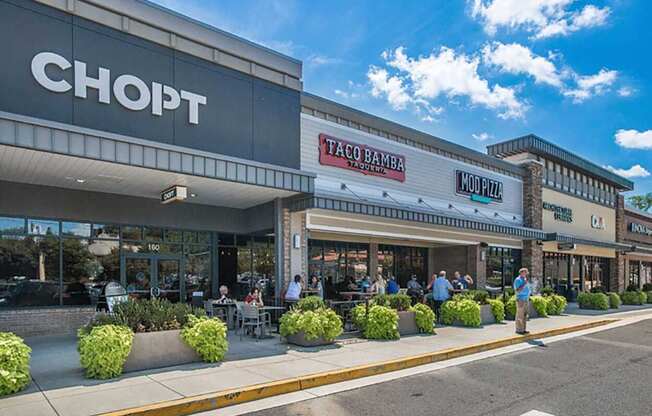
(536,413)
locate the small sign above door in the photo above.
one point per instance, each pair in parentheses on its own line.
(174,193)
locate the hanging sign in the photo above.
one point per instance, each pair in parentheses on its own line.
(174,193)
(361,158)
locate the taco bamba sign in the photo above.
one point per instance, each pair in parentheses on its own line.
(361,158)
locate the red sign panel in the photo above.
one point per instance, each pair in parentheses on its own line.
(361,158)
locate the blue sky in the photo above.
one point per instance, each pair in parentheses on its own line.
(473,72)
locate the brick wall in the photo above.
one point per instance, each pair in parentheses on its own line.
(617,269)
(45,321)
(532,254)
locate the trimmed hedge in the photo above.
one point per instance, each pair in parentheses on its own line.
(207,336)
(649,296)
(14,363)
(556,304)
(614,300)
(104,349)
(318,323)
(424,317)
(633,298)
(598,301)
(382,323)
(497,309)
(461,310)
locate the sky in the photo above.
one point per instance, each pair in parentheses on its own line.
(474,72)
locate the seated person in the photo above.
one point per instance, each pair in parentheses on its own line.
(365,284)
(392,286)
(352,285)
(414,289)
(254,298)
(315,284)
(460,282)
(293,292)
(224,295)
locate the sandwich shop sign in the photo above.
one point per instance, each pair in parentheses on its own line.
(361,158)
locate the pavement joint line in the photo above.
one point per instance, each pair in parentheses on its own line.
(225,398)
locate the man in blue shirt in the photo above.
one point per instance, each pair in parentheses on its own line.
(522,290)
(392,286)
(441,289)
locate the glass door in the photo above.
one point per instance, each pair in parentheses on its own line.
(138,273)
(168,279)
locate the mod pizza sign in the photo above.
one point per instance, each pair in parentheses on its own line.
(361,158)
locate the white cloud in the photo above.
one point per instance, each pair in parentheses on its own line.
(626,91)
(518,59)
(482,136)
(390,87)
(346,94)
(590,85)
(543,18)
(634,139)
(442,73)
(316,60)
(636,171)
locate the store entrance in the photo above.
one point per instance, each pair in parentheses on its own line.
(152,275)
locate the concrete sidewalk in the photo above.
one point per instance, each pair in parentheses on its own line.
(59,387)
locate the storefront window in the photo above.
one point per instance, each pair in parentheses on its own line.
(198,270)
(42,227)
(634,274)
(502,263)
(336,262)
(596,273)
(646,273)
(29,271)
(106,231)
(9,225)
(132,233)
(402,262)
(76,229)
(86,267)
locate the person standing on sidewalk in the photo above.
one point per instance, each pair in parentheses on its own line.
(522,289)
(441,289)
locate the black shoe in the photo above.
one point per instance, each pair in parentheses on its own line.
(526,332)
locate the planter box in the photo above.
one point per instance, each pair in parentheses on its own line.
(486,316)
(300,339)
(159,349)
(532,313)
(407,324)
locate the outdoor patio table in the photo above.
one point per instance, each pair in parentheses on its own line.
(230,312)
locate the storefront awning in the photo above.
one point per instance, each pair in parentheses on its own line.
(54,154)
(415,215)
(561,238)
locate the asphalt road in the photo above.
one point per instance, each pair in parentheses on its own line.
(604,373)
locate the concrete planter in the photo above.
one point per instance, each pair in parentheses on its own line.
(486,316)
(532,313)
(300,339)
(407,324)
(159,349)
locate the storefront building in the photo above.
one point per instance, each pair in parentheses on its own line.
(139,146)
(580,211)
(638,233)
(394,201)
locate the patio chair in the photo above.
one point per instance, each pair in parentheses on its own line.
(212,311)
(238,313)
(254,318)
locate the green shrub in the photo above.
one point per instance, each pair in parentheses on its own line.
(649,296)
(382,323)
(632,288)
(598,301)
(359,316)
(14,363)
(479,296)
(510,307)
(556,304)
(614,300)
(633,298)
(104,349)
(647,287)
(547,291)
(148,315)
(207,336)
(461,310)
(400,302)
(598,289)
(497,309)
(540,305)
(310,303)
(380,300)
(509,291)
(320,323)
(424,317)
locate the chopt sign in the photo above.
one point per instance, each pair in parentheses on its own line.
(360,158)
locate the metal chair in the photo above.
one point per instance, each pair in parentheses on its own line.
(253,318)
(212,311)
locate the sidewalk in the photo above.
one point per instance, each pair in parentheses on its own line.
(59,387)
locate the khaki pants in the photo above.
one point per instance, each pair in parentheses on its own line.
(521,315)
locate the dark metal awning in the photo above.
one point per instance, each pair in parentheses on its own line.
(562,238)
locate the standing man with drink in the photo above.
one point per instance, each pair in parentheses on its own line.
(522,289)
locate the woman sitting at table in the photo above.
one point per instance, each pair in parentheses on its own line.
(224,295)
(254,298)
(378,286)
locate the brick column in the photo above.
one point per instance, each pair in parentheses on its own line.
(373,260)
(617,270)
(532,254)
(477,266)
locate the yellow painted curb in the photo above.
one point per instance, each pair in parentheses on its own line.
(220,399)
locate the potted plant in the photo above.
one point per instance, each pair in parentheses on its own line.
(407,324)
(310,323)
(461,311)
(145,334)
(14,361)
